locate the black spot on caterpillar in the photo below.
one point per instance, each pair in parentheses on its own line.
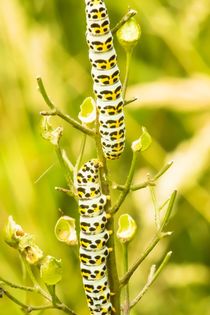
(105,74)
(93,238)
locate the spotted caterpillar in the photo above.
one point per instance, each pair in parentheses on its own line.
(106,76)
(93,238)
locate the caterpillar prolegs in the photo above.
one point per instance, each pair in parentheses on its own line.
(106,77)
(93,238)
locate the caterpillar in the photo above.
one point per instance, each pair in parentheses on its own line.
(106,77)
(93,238)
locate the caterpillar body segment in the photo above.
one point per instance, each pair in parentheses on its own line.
(92,207)
(93,238)
(106,76)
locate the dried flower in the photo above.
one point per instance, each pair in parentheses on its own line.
(13,232)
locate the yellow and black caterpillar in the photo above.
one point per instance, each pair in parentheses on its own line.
(106,77)
(93,238)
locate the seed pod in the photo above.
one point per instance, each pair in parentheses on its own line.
(65,230)
(126,229)
(51,270)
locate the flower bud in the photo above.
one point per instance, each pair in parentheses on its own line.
(143,143)
(87,113)
(129,34)
(126,228)
(13,232)
(51,270)
(65,230)
(50,134)
(33,254)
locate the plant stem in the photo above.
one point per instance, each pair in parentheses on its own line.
(124,19)
(36,284)
(148,182)
(152,277)
(153,243)
(127,185)
(17,286)
(130,101)
(127,67)
(57,112)
(156,208)
(163,170)
(30,308)
(126,305)
(66,170)
(111,260)
(79,159)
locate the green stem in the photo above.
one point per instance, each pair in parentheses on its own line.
(57,112)
(126,305)
(124,19)
(127,67)
(156,208)
(151,280)
(111,261)
(153,243)
(149,182)
(65,167)
(127,185)
(130,101)
(30,308)
(163,170)
(36,284)
(17,286)
(79,160)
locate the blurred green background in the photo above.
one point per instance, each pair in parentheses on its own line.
(170,75)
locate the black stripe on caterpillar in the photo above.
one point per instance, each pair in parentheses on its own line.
(93,238)
(106,76)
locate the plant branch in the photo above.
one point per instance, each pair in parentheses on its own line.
(56,112)
(30,308)
(127,67)
(156,208)
(148,182)
(124,19)
(126,305)
(163,170)
(130,101)
(127,185)
(17,286)
(79,159)
(37,289)
(152,277)
(67,171)
(160,234)
(111,260)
